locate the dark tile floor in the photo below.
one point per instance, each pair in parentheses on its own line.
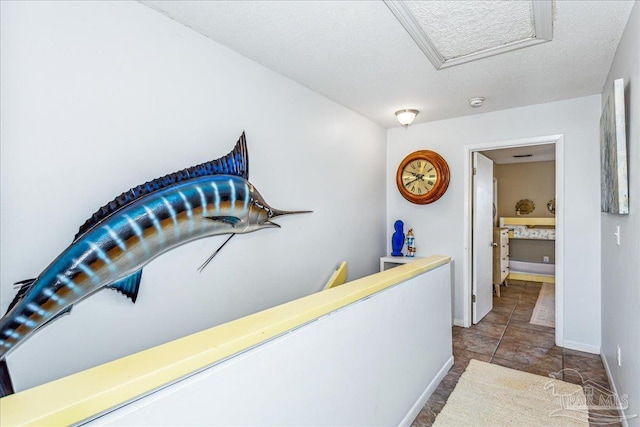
(505,337)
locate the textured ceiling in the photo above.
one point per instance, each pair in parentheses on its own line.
(538,153)
(459,28)
(358,54)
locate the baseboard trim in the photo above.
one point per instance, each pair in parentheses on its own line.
(458,322)
(623,419)
(424,397)
(587,348)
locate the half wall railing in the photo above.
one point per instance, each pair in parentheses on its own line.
(369,352)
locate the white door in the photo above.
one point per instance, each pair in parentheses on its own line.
(482,236)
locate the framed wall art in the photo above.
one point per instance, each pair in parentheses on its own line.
(613,153)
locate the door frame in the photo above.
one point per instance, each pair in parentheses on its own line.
(558,140)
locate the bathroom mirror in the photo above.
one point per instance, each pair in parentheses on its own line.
(525,207)
(551,206)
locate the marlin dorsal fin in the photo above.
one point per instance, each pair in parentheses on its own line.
(25,285)
(235,163)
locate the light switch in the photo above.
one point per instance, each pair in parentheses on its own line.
(617,234)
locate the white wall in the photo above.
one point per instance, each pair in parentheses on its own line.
(621,264)
(439,227)
(387,354)
(98,97)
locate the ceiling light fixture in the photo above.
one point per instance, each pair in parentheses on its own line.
(406,116)
(476,102)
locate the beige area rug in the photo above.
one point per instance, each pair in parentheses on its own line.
(491,395)
(544,313)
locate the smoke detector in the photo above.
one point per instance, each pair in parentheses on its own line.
(476,102)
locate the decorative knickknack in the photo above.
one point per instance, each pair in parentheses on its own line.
(551,206)
(411,244)
(209,199)
(397,239)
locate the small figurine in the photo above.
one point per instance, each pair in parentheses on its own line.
(397,239)
(411,244)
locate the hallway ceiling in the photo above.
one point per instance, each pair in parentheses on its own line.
(358,54)
(528,154)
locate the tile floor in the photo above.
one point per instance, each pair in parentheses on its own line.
(505,337)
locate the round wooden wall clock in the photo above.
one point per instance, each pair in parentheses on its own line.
(423,177)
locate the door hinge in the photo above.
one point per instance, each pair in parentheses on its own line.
(474,171)
(473,298)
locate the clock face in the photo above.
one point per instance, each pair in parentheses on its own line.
(423,177)
(419,177)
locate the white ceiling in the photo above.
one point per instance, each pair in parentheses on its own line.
(537,153)
(462,27)
(358,54)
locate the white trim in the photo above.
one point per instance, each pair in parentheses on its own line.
(458,322)
(408,21)
(542,20)
(587,348)
(424,397)
(558,140)
(467,278)
(493,51)
(614,389)
(559,284)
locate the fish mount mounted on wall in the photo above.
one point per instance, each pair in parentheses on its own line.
(123,236)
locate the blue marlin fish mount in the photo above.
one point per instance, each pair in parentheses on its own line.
(124,235)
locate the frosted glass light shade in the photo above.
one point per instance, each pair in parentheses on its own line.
(406,117)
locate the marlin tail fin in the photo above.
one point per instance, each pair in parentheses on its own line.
(6,387)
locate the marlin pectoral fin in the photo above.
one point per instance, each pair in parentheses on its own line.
(129,285)
(213,254)
(25,285)
(231,220)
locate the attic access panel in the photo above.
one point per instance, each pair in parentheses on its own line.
(451,33)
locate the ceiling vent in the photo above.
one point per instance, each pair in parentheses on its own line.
(455,32)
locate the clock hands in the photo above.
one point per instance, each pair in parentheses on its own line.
(419,177)
(406,184)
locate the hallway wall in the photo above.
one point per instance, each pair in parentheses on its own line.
(535,181)
(620,263)
(439,227)
(531,180)
(98,97)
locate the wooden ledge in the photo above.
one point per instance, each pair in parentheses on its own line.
(81,396)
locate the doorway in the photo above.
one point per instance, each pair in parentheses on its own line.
(468,264)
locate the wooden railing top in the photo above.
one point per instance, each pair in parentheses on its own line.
(81,396)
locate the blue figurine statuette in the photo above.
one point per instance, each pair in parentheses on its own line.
(397,239)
